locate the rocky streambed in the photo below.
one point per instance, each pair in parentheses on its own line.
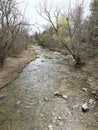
(50,95)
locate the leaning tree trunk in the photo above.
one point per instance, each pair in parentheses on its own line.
(79,61)
(2,58)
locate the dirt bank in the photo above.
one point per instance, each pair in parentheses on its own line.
(14,65)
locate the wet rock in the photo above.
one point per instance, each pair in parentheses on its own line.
(57,94)
(64,96)
(85,107)
(84,89)
(50,127)
(60,95)
(46,99)
(42,61)
(69,113)
(59,118)
(2,97)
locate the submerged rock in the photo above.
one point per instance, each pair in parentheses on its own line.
(42,61)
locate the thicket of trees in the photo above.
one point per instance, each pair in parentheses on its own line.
(70,29)
(13,30)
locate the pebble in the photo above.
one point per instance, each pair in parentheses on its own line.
(57,94)
(84,89)
(42,115)
(50,127)
(64,96)
(46,99)
(59,118)
(18,102)
(69,113)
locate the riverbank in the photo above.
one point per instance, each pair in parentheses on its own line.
(92,67)
(14,65)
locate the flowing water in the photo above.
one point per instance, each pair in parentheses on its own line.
(28,103)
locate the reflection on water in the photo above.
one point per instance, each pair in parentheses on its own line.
(24,106)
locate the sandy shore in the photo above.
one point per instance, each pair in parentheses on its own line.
(14,65)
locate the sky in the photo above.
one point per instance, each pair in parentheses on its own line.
(28,7)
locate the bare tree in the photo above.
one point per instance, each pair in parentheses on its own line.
(11,22)
(74,18)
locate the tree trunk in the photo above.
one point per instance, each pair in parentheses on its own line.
(2,58)
(79,61)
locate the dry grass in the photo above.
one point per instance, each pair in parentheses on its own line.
(14,65)
(92,67)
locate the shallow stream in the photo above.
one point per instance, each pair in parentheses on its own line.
(29,103)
